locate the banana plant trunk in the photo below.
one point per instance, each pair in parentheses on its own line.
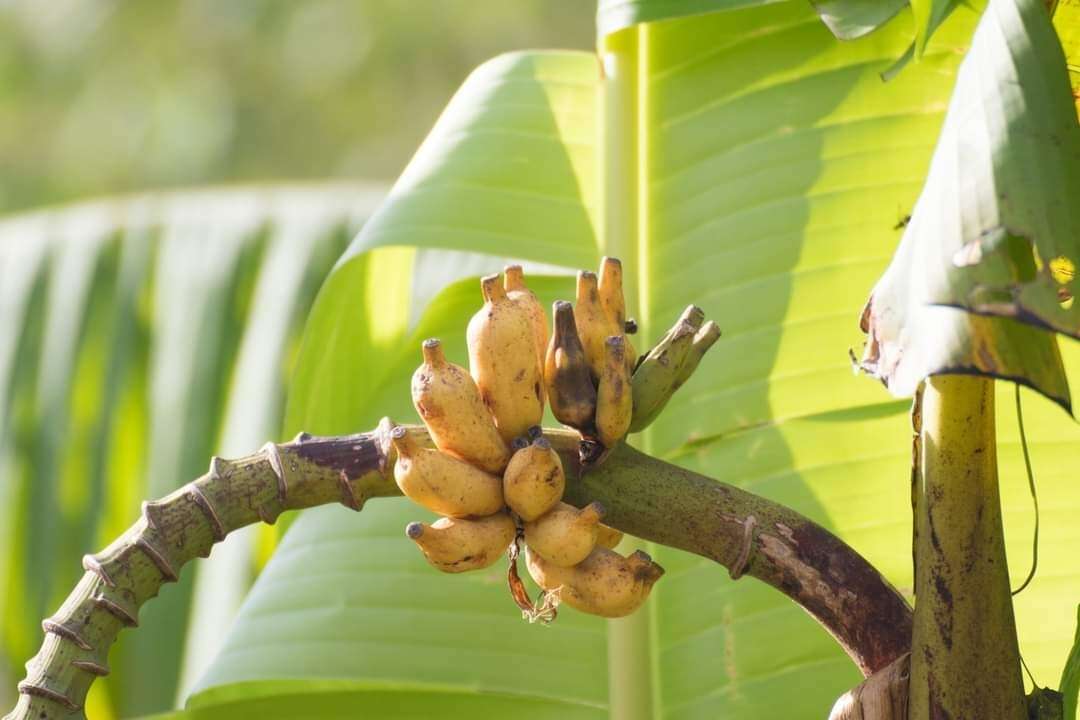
(965,661)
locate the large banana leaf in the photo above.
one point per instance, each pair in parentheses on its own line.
(138,335)
(847,19)
(996,231)
(770,168)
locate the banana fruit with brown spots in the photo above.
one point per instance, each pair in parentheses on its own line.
(534,481)
(441,482)
(503,362)
(605,583)
(494,475)
(614,396)
(570,388)
(449,403)
(565,536)
(519,293)
(592,324)
(610,290)
(454,545)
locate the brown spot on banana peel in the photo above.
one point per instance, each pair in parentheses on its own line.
(565,536)
(614,398)
(605,583)
(456,545)
(534,480)
(454,411)
(613,301)
(519,293)
(591,321)
(441,482)
(610,288)
(567,375)
(507,377)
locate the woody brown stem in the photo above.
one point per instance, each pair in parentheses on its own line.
(750,535)
(643,496)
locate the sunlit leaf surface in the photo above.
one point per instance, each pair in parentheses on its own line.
(138,335)
(996,230)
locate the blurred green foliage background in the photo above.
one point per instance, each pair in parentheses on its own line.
(105,96)
(139,336)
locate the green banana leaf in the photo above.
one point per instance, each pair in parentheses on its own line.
(996,231)
(846,19)
(765,171)
(139,335)
(1070,675)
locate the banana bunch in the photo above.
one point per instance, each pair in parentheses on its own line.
(590,359)
(494,476)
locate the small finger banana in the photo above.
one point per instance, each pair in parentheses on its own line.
(454,545)
(656,378)
(457,419)
(610,288)
(500,339)
(704,339)
(608,537)
(569,383)
(441,482)
(591,321)
(605,583)
(534,481)
(614,396)
(565,536)
(519,292)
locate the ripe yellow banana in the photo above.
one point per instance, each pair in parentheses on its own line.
(610,289)
(605,583)
(519,292)
(441,482)
(608,537)
(565,536)
(454,545)
(534,481)
(569,383)
(457,419)
(614,396)
(592,323)
(502,362)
